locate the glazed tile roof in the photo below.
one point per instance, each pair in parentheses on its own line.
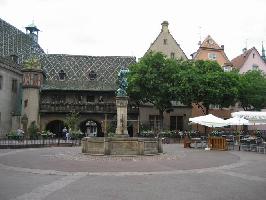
(15,42)
(77,71)
(9,64)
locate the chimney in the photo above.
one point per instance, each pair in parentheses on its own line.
(222,46)
(165,26)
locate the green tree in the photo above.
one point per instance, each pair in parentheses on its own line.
(204,83)
(72,120)
(149,81)
(252,90)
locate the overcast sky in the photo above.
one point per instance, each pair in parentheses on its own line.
(127,28)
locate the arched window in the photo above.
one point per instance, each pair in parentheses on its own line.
(62,75)
(92,75)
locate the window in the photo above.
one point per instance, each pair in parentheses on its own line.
(90,98)
(255,67)
(164,41)
(172,55)
(227,68)
(214,106)
(176,123)
(26,103)
(253,55)
(154,122)
(92,75)
(62,75)
(212,56)
(14,85)
(1,82)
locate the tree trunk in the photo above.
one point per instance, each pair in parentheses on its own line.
(161,119)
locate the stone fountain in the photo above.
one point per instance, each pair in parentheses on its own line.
(121,143)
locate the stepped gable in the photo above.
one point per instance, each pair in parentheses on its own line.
(98,73)
(15,42)
(239,61)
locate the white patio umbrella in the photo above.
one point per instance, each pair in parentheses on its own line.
(237,121)
(209,120)
(254,117)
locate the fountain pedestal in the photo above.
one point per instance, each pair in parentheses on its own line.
(121,105)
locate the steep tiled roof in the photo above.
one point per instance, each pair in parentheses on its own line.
(78,68)
(13,41)
(9,64)
(239,61)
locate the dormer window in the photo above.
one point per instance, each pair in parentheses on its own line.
(62,75)
(92,75)
(227,68)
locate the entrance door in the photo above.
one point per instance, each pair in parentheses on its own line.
(56,127)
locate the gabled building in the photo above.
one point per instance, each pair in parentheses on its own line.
(59,84)
(15,47)
(177,117)
(250,60)
(210,50)
(166,44)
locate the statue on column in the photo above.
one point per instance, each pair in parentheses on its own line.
(122,80)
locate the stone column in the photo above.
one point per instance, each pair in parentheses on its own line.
(121,106)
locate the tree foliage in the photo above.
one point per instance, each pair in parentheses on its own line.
(252,90)
(204,83)
(159,80)
(149,81)
(71,120)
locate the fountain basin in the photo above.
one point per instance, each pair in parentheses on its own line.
(121,146)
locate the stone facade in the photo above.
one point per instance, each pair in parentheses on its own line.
(10,92)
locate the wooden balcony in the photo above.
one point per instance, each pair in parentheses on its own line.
(65,107)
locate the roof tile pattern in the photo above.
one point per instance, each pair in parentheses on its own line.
(78,68)
(15,42)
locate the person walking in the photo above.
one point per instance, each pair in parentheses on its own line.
(64,131)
